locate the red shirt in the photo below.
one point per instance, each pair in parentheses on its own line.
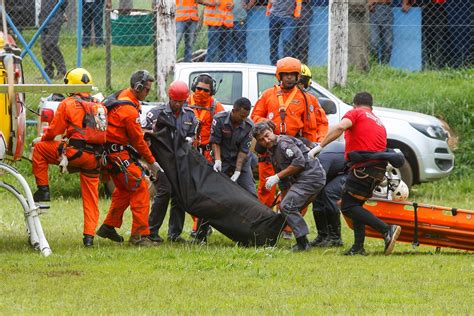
(366,133)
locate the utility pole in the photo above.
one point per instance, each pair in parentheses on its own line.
(338,42)
(165,44)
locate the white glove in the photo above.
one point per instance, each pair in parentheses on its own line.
(189,140)
(217,166)
(63,164)
(35,141)
(271,181)
(155,167)
(235,176)
(314,152)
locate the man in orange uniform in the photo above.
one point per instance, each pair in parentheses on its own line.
(124,141)
(205,107)
(322,124)
(290,111)
(218,18)
(187,20)
(75,150)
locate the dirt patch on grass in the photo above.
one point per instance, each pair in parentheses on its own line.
(55,274)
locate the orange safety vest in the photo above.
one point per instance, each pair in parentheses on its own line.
(219,15)
(296,12)
(186,10)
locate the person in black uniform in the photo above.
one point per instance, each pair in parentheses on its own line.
(50,51)
(231,136)
(185,128)
(300,179)
(326,212)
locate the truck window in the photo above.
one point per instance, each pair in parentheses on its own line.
(228,84)
(265,81)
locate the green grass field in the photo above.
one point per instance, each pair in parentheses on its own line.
(221,278)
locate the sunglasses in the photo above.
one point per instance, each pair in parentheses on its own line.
(203,89)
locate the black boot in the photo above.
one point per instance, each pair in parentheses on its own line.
(391,237)
(322,227)
(302,244)
(88,240)
(107,231)
(42,194)
(356,250)
(334,226)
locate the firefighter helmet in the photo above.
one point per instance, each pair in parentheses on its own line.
(78,76)
(288,65)
(178,91)
(305,76)
(400,192)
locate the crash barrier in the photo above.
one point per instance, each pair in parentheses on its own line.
(212,196)
(31,211)
(425,224)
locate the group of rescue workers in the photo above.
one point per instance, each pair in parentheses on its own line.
(294,147)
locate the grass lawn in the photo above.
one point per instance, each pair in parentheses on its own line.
(220,277)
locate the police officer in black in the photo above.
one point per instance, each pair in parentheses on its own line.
(185,122)
(300,179)
(231,136)
(326,212)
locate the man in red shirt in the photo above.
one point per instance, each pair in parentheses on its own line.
(363,131)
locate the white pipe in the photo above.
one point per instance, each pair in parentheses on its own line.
(33,220)
(30,224)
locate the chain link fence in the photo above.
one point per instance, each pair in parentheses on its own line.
(431,34)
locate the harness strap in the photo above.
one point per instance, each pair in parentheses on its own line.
(283,106)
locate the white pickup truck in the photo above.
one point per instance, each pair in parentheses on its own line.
(420,137)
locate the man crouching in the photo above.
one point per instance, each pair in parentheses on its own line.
(300,179)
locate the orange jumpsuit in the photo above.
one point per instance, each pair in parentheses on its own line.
(301,119)
(203,134)
(130,186)
(47,152)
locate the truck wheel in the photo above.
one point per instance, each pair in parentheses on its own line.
(406,173)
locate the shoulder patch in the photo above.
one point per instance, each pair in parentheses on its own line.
(289,152)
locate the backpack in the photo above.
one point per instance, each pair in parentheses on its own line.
(111,101)
(94,123)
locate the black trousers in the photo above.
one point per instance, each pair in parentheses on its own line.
(160,206)
(352,206)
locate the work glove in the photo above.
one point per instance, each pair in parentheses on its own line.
(217,166)
(271,181)
(155,167)
(314,152)
(63,162)
(235,176)
(189,140)
(35,141)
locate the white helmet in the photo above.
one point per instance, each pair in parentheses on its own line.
(400,192)
(380,192)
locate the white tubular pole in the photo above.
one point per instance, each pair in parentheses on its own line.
(31,212)
(30,224)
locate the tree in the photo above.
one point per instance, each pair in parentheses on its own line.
(165,44)
(338,42)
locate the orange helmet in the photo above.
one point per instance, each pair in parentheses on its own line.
(288,65)
(178,91)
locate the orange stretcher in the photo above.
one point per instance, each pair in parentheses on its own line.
(424,224)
